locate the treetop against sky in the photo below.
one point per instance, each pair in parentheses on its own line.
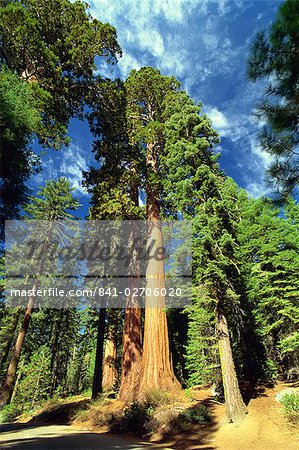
(205,45)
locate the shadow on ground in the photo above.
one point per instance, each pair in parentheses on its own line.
(60,414)
(197,436)
(63,438)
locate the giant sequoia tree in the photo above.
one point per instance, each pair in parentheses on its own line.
(147,92)
(52,46)
(114,188)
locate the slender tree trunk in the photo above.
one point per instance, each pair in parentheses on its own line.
(15,389)
(235,407)
(97,386)
(156,360)
(13,365)
(10,340)
(109,364)
(7,387)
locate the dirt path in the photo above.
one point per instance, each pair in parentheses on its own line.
(264,428)
(61,437)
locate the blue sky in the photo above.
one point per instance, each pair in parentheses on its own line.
(204,44)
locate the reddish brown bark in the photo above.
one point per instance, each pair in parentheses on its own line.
(109,363)
(235,407)
(132,347)
(156,359)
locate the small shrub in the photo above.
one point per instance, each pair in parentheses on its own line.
(270,370)
(82,415)
(290,403)
(9,413)
(196,415)
(192,416)
(134,419)
(156,397)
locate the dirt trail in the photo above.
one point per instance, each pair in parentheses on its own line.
(264,428)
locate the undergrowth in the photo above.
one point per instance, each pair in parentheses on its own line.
(290,404)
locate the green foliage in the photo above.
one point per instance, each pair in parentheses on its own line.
(19,119)
(290,403)
(52,202)
(54,45)
(10,412)
(270,369)
(195,415)
(269,250)
(35,379)
(274,56)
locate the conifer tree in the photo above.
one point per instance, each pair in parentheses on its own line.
(274,56)
(198,190)
(114,187)
(269,253)
(53,202)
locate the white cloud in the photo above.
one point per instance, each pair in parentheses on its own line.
(257,189)
(218,119)
(68,163)
(72,166)
(202,43)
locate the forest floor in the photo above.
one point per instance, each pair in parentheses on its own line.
(265,426)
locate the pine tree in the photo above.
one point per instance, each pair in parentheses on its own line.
(274,56)
(198,190)
(53,202)
(269,251)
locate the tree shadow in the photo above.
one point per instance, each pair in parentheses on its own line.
(60,414)
(72,441)
(255,390)
(196,436)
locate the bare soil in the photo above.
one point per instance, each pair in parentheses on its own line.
(264,428)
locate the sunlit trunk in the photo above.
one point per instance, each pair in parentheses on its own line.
(235,407)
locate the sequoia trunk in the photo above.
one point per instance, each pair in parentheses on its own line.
(132,349)
(156,360)
(109,365)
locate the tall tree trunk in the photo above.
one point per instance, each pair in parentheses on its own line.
(97,385)
(132,340)
(156,360)
(235,407)
(7,387)
(8,384)
(109,364)
(11,338)
(132,350)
